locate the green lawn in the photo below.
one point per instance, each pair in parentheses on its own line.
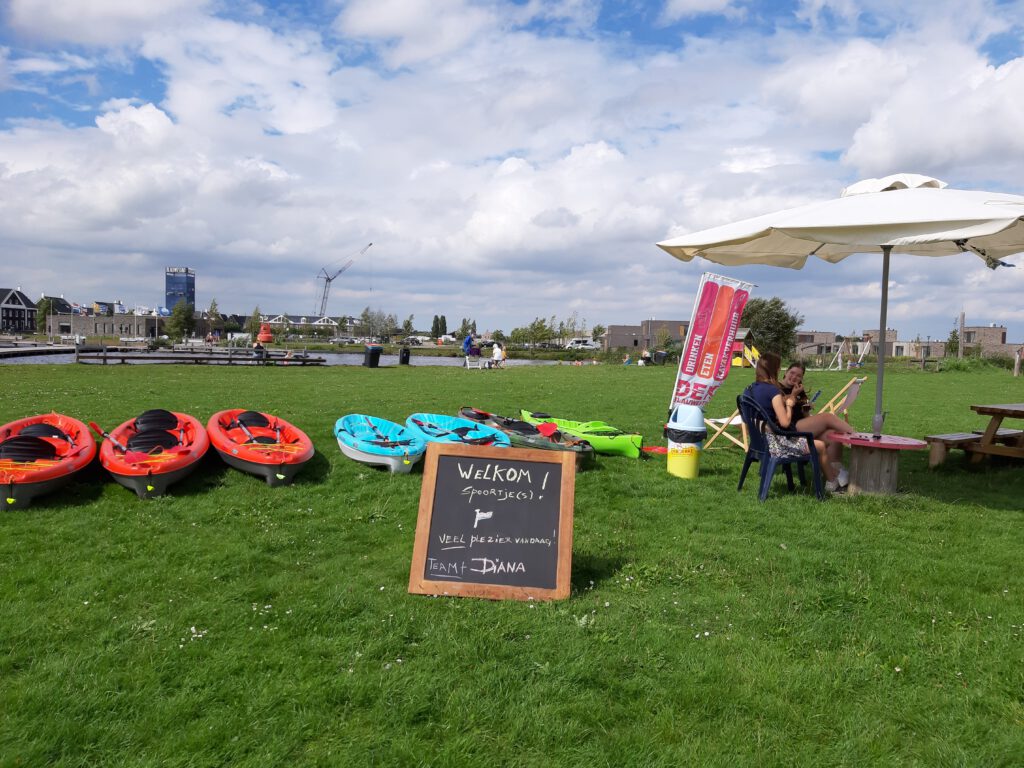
(235,624)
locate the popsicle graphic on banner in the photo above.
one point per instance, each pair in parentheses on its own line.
(699,325)
(739,301)
(707,350)
(716,333)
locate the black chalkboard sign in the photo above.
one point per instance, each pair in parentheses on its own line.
(494,523)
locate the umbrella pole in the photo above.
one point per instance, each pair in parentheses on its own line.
(879,418)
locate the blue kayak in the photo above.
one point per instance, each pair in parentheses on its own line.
(380,442)
(438,428)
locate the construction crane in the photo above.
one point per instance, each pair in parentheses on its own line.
(328,277)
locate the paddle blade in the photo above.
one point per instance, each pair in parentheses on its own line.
(547,428)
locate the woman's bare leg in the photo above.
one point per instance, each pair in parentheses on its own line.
(821,423)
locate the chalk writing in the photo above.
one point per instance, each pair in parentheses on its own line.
(495,472)
(487,565)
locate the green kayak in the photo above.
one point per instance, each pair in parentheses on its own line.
(603,436)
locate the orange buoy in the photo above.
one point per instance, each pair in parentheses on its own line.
(265,336)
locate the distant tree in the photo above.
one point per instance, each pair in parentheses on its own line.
(444,325)
(391,328)
(43,310)
(953,343)
(597,332)
(498,335)
(539,331)
(435,327)
(407,327)
(571,327)
(214,318)
(182,321)
(772,325)
(519,336)
(252,325)
(376,324)
(662,339)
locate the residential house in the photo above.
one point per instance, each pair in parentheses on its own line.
(17,312)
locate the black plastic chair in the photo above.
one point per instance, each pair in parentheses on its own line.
(758,422)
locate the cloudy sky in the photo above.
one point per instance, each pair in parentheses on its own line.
(507,160)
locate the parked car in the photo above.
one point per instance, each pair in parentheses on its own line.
(411,341)
(582,343)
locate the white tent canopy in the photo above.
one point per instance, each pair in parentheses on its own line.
(905,213)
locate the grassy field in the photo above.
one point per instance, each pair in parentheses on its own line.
(234,624)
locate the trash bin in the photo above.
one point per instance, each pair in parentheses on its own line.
(403,355)
(686,433)
(660,357)
(371,355)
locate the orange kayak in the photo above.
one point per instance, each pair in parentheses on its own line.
(39,454)
(261,444)
(153,450)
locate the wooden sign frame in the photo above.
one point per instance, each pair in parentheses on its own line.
(420,584)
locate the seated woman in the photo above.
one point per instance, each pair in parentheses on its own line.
(767,391)
(816,423)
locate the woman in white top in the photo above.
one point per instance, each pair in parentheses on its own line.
(497,357)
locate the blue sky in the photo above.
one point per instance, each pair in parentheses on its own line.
(508,160)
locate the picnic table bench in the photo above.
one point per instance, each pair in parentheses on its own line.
(941,444)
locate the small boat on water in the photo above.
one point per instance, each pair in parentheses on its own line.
(523,434)
(379,442)
(155,449)
(39,454)
(603,436)
(438,428)
(259,443)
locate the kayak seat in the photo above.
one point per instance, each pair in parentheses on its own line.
(540,415)
(520,427)
(148,440)
(252,419)
(45,430)
(157,418)
(27,448)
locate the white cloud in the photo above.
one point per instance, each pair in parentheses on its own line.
(675,10)
(97,22)
(415,30)
(839,85)
(956,114)
(130,127)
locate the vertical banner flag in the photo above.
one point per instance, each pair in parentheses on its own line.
(707,352)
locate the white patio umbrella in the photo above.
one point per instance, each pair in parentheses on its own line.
(905,213)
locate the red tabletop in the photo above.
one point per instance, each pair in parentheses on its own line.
(886,442)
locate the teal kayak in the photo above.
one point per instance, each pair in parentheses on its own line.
(438,428)
(371,440)
(603,436)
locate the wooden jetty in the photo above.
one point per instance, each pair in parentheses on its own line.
(206,356)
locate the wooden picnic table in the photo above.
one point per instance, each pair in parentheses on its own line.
(1011,444)
(874,461)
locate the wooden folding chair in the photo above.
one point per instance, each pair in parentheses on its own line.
(717,428)
(842,401)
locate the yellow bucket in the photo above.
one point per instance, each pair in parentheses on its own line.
(683,460)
